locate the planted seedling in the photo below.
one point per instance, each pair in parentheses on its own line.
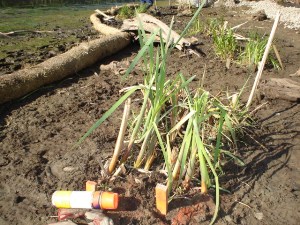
(175,124)
(254,50)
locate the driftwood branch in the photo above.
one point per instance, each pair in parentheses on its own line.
(105,16)
(296,74)
(12,33)
(281,88)
(150,24)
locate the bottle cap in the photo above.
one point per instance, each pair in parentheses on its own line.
(109,200)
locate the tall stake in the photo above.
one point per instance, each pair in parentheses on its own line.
(264,59)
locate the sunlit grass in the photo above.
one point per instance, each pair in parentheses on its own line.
(254,50)
(12,19)
(198,26)
(127,12)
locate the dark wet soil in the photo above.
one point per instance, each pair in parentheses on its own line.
(38,132)
(56,42)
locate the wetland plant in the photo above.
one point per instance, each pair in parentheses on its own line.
(185,133)
(224,41)
(197,27)
(254,50)
(127,12)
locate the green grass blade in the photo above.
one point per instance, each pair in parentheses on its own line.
(166,157)
(219,135)
(216,178)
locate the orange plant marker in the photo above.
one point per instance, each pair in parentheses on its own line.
(161,194)
(90,185)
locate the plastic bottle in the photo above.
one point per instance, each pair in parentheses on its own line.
(85,199)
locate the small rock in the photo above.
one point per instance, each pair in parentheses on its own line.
(228,219)
(68,169)
(260,16)
(91,215)
(98,218)
(259,215)
(52,53)
(61,48)
(187,12)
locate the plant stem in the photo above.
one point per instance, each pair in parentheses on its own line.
(121,135)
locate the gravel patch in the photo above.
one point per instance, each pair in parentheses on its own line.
(290,16)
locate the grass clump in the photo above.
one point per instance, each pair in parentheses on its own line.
(227,47)
(225,43)
(254,50)
(186,133)
(127,12)
(197,27)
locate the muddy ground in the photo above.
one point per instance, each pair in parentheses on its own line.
(38,131)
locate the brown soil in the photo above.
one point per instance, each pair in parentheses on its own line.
(38,131)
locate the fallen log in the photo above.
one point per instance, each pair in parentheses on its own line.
(281,88)
(24,81)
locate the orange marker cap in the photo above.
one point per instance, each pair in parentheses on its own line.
(109,200)
(90,185)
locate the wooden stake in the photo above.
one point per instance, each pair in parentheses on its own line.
(264,59)
(161,194)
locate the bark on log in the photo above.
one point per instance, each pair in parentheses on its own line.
(281,88)
(24,81)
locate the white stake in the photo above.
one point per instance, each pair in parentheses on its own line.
(264,59)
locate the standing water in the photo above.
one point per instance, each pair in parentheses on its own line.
(83,3)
